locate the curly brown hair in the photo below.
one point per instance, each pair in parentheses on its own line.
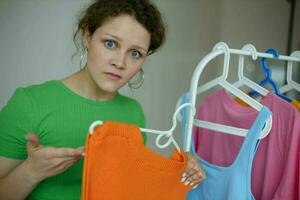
(144,11)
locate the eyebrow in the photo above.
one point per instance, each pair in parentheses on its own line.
(118,38)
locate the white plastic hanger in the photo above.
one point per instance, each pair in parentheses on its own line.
(291,84)
(244,80)
(220,48)
(168,134)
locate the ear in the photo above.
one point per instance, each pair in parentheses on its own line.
(86,38)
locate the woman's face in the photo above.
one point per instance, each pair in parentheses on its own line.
(116,52)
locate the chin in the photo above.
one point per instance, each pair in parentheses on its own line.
(110,88)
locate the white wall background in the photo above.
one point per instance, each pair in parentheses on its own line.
(36,44)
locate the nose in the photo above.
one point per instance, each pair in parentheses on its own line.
(119,60)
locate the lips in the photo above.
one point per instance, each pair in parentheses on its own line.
(112,76)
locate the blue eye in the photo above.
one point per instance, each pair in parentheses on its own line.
(110,44)
(135,54)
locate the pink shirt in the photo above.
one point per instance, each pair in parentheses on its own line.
(275,172)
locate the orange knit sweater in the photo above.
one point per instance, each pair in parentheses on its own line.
(118,166)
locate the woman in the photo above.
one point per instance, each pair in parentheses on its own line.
(43,127)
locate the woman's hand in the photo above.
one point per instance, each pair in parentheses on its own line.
(43,162)
(194,173)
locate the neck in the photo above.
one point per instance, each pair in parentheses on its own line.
(82,84)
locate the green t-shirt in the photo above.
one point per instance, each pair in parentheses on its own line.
(60,118)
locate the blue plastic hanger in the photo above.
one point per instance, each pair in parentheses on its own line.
(268,77)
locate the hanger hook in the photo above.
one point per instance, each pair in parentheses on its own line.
(224,47)
(268,71)
(275,53)
(94,125)
(295,54)
(251,49)
(221,46)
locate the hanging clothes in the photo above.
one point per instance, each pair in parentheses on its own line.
(232,182)
(118,166)
(275,172)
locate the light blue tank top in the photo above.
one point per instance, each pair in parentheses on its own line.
(232,182)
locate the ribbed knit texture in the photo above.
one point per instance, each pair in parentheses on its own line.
(118,166)
(60,118)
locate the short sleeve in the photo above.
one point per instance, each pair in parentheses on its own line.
(16,120)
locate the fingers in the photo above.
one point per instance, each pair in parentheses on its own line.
(193,177)
(59,165)
(82,149)
(68,164)
(63,161)
(49,161)
(193,174)
(33,141)
(53,152)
